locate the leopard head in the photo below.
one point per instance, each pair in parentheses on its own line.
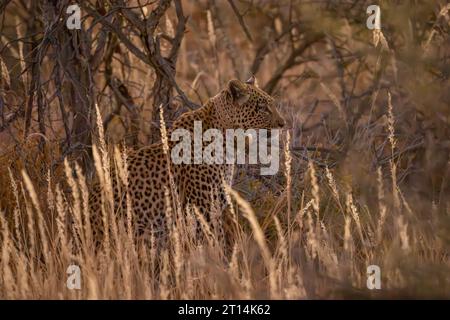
(244,105)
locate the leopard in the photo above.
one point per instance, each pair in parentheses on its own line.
(151,173)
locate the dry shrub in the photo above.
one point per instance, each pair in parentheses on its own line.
(365,169)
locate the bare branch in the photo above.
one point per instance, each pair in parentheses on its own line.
(241,20)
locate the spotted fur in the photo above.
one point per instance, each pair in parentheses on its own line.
(239,105)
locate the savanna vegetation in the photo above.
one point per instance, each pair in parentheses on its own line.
(365,171)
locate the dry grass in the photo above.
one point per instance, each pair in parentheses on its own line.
(308,258)
(365,167)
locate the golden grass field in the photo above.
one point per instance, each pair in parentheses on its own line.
(364,176)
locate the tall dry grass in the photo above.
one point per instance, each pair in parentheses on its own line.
(363,181)
(320,250)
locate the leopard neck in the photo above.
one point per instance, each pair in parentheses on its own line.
(214,115)
(209,115)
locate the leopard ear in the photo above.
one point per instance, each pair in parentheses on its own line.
(238,91)
(251,80)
